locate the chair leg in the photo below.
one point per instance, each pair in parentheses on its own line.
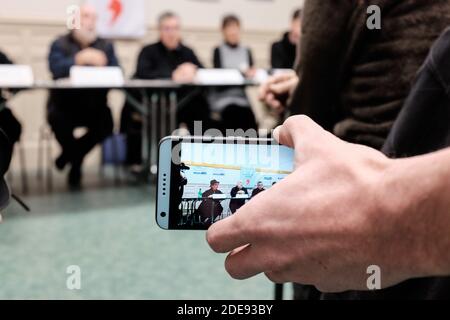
(101,169)
(116,161)
(23,169)
(49,162)
(9,176)
(40,164)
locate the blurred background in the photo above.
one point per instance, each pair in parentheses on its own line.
(108,228)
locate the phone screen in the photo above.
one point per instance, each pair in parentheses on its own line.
(210,181)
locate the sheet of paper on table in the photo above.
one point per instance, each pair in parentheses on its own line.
(96,76)
(16,76)
(277,72)
(242,196)
(219,196)
(219,77)
(261,76)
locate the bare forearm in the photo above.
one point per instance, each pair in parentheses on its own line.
(418,191)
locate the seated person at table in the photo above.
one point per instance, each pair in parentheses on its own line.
(8,122)
(232,105)
(210,208)
(259,188)
(69,109)
(284,52)
(239,189)
(168,58)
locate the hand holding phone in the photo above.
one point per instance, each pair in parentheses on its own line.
(202,180)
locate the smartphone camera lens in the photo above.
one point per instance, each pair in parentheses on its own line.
(163,214)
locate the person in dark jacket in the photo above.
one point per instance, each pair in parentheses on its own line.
(239,189)
(8,122)
(166,59)
(422,127)
(210,208)
(351,80)
(232,104)
(366,74)
(284,52)
(356,82)
(259,188)
(69,109)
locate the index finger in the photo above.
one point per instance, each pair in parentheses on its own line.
(297,129)
(228,234)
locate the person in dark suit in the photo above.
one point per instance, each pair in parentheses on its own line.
(210,208)
(167,59)
(259,188)
(284,52)
(239,189)
(69,109)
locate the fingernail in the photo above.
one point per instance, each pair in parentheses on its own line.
(276,133)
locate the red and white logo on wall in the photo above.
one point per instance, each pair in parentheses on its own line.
(120,18)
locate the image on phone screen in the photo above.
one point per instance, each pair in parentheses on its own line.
(207,181)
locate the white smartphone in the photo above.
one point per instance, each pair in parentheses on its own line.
(202,180)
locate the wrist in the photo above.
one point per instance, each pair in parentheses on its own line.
(409,200)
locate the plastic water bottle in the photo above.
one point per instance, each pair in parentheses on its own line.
(199,195)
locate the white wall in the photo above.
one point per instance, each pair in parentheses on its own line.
(256,14)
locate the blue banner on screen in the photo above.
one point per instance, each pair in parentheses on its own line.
(221,178)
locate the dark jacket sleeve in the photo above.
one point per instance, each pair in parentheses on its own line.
(147,67)
(4,59)
(194,59)
(276,56)
(59,62)
(423,125)
(233,192)
(217,62)
(322,50)
(251,62)
(111,55)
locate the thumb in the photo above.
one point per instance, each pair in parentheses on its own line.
(297,131)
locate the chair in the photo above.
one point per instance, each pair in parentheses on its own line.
(45,150)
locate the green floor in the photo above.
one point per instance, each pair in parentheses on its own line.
(110,233)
